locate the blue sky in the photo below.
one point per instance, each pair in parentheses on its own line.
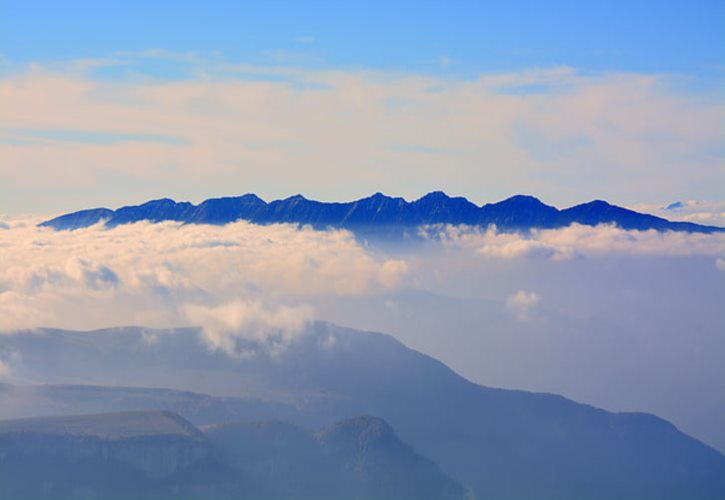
(108,103)
(460,37)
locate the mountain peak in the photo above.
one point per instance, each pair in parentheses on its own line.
(250,197)
(378,196)
(435,195)
(159,202)
(521,199)
(363,426)
(598,204)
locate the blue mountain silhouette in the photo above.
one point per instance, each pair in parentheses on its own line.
(519,212)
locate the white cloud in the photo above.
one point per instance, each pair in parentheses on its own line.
(576,241)
(522,303)
(223,325)
(308,131)
(708,212)
(244,282)
(720,264)
(155,274)
(170,274)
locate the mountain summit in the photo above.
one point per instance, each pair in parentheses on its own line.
(518,213)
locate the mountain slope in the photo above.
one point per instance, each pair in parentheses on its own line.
(502,443)
(361,456)
(26,401)
(106,426)
(117,455)
(376,212)
(159,455)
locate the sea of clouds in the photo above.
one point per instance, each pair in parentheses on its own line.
(235,276)
(246,279)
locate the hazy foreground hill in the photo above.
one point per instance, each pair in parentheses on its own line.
(120,455)
(155,454)
(501,443)
(23,401)
(356,459)
(377,212)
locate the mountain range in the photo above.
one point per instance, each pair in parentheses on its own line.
(497,443)
(377,212)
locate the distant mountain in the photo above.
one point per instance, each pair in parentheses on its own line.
(377,212)
(119,455)
(106,426)
(160,455)
(27,401)
(356,459)
(500,443)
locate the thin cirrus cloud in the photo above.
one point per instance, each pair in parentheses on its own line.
(346,133)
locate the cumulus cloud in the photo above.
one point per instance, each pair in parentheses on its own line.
(224,325)
(249,276)
(576,241)
(522,303)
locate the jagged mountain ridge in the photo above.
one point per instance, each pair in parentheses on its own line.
(519,212)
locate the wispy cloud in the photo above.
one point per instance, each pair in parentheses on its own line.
(522,304)
(575,137)
(32,136)
(305,39)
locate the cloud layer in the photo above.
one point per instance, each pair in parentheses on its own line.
(576,241)
(344,134)
(244,279)
(233,278)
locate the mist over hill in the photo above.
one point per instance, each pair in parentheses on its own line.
(499,443)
